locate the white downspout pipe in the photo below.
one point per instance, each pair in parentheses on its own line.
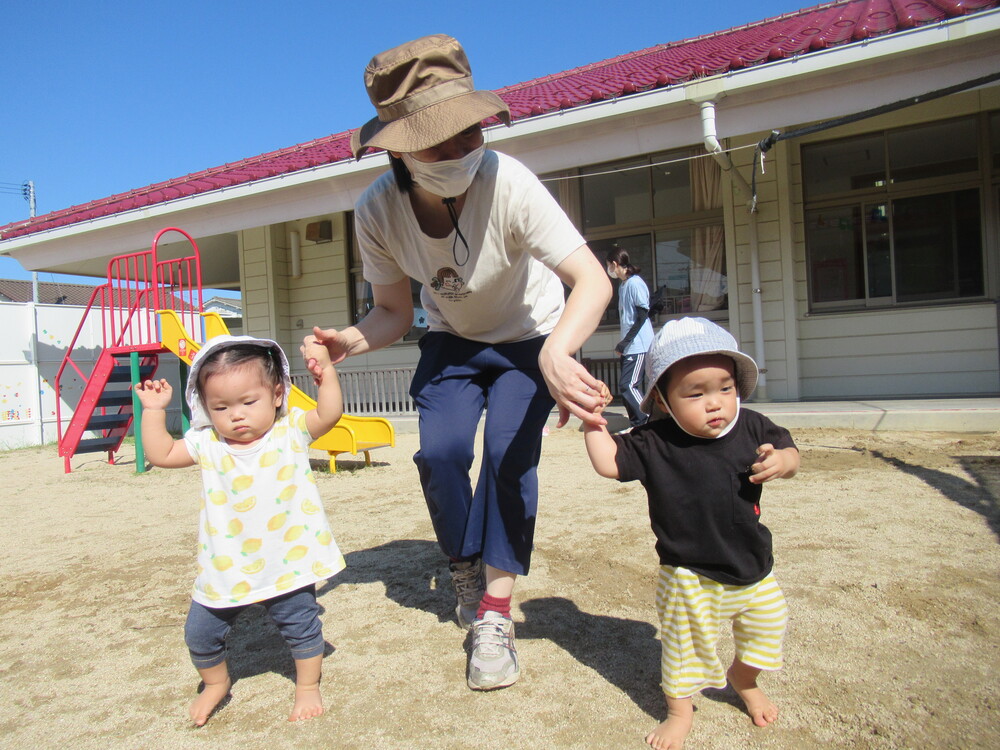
(713,147)
(295,252)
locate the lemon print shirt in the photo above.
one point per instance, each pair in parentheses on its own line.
(262,528)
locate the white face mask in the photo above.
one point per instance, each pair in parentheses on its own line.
(447,179)
(611,272)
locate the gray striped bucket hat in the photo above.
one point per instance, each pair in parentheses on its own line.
(688,337)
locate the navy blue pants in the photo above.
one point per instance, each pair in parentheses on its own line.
(456,379)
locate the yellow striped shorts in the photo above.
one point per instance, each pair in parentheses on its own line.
(692,608)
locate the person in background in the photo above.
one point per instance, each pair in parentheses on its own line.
(636,331)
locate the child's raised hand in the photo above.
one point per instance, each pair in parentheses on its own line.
(604,395)
(154,394)
(773,464)
(332,340)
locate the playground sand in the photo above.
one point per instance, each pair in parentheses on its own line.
(886,546)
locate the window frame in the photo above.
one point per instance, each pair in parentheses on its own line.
(888,193)
(653,225)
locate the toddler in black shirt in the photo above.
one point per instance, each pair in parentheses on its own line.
(702,459)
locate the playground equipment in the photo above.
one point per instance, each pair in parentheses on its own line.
(142,290)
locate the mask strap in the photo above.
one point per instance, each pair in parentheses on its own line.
(453,215)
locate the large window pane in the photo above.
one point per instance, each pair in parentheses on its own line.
(938,246)
(691,265)
(879,251)
(839,166)
(995,138)
(364,301)
(886,245)
(668,216)
(935,150)
(615,197)
(671,185)
(836,254)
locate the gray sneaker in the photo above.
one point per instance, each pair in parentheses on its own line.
(493,661)
(469,583)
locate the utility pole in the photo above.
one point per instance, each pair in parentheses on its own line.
(28,191)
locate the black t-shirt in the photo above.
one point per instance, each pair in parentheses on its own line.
(702,507)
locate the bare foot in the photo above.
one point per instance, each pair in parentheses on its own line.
(744,682)
(670,734)
(308,703)
(208,700)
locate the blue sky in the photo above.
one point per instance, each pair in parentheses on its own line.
(105,96)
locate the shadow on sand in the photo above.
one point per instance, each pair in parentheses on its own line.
(975,495)
(624,652)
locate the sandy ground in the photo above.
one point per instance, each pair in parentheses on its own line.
(886,547)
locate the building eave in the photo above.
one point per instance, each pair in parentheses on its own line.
(759,90)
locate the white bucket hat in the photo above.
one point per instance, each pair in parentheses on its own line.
(688,337)
(199,415)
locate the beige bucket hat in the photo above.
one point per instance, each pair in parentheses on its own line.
(423,93)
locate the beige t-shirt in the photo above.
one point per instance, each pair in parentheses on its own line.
(262,530)
(517,233)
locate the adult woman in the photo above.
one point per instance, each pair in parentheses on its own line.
(636,331)
(483,237)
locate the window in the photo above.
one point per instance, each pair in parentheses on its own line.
(894,218)
(666,210)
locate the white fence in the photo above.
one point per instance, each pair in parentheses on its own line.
(383,393)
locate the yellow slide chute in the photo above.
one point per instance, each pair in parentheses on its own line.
(352,434)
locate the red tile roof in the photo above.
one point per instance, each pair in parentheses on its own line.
(791,34)
(59,293)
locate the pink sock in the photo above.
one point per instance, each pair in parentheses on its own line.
(494,604)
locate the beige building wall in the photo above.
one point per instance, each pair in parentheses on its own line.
(285,308)
(762,230)
(319,296)
(854,354)
(858,353)
(257,281)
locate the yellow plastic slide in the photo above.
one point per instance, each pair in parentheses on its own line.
(352,434)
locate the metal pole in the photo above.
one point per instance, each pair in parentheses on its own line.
(185,409)
(140,456)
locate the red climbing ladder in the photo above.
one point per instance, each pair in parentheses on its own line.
(138,284)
